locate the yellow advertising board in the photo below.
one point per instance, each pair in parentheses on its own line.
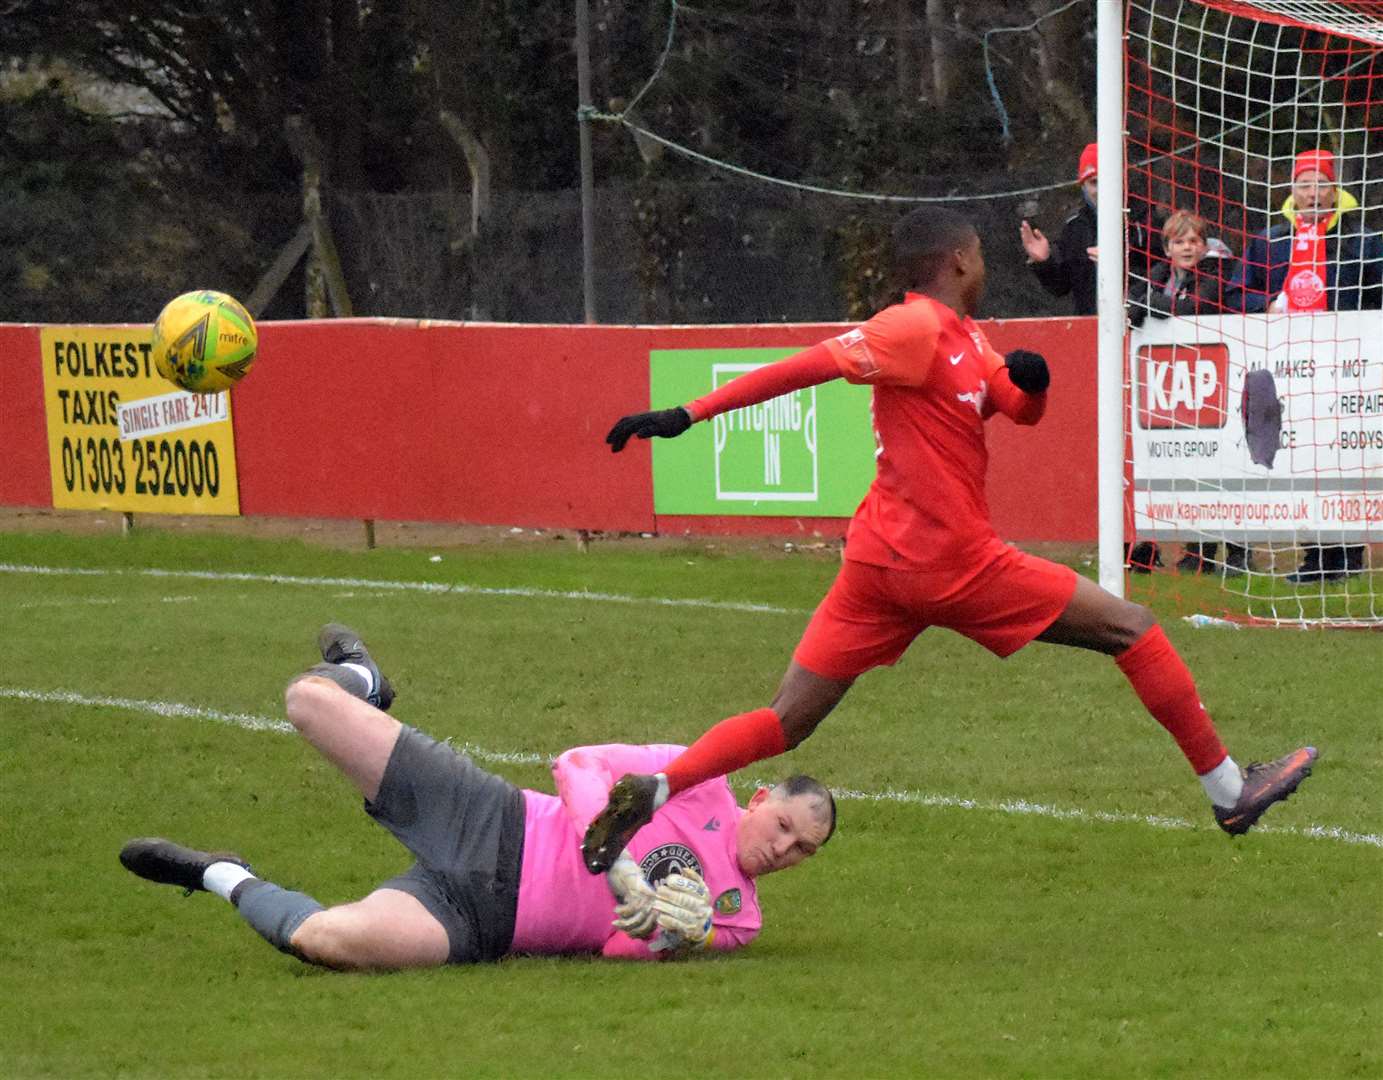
(120,437)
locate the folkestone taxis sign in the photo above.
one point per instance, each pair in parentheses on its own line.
(120,437)
(805,454)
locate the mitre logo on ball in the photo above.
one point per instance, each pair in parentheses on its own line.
(204,341)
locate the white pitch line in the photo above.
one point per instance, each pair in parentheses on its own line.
(97,601)
(523,757)
(430,587)
(248,721)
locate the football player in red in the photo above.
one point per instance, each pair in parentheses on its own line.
(921,551)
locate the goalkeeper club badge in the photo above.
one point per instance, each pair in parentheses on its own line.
(729,902)
(669,859)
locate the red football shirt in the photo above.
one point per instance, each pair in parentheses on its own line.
(936,379)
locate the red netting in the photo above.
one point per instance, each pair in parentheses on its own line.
(1223,100)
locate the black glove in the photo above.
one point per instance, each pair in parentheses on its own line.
(666,424)
(1028,371)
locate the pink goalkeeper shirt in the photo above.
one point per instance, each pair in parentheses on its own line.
(565,909)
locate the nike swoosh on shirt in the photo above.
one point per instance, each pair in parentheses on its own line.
(957,358)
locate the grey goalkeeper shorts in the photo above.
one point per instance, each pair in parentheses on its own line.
(465,828)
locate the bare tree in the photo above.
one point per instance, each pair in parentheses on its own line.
(941,34)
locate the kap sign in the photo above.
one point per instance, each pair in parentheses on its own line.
(1183,386)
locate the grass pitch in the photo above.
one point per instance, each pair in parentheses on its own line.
(1026,881)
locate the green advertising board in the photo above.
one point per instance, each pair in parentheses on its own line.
(805,454)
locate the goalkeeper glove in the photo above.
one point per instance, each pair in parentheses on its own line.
(683,907)
(1028,371)
(666,424)
(634,914)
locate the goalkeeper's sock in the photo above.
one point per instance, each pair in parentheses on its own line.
(1164,685)
(364,673)
(732,744)
(354,679)
(221,878)
(274,912)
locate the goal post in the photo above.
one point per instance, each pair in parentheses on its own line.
(1109,283)
(1250,411)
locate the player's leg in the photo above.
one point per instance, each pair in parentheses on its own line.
(462,823)
(354,736)
(856,627)
(853,630)
(338,705)
(388,929)
(1098,620)
(802,701)
(346,662)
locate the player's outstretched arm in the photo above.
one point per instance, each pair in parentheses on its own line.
(811,367)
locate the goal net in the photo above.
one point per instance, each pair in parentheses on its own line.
(1255,361)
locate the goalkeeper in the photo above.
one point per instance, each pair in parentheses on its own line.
(499,869)
(921,551)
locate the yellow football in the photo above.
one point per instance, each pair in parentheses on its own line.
(204,341)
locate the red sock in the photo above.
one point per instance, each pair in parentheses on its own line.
(732,744)
(1164,685)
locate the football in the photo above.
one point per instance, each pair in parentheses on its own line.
(204,341)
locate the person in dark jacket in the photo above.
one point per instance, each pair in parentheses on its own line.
(1319,258)
(1068,266)
(1193,280)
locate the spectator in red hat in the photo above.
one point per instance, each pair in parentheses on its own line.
(1318,258)
(1068,266)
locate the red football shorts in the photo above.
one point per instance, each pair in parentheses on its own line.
(872,613)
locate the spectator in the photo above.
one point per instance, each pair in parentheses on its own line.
(1194,278)
(1191,281)
(1068,267)
(1318,259)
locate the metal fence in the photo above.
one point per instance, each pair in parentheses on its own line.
(718,252)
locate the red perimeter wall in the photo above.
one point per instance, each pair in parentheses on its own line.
(400,420)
